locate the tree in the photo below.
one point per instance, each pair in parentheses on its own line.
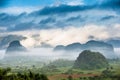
(70,77)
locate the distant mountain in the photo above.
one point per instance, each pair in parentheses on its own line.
(106,49)
(73,46)
(5,40)
(59,47)
(90,60)
(45,45)
(15,47)
(115,43)
(98,46)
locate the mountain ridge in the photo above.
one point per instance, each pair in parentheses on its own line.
(98,46)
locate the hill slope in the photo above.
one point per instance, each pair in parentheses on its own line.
(90,60)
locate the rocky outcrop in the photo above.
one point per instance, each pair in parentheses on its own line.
(15,47)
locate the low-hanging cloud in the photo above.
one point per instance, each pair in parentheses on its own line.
(69,35)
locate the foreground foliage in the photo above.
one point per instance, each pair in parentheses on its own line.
(6,74)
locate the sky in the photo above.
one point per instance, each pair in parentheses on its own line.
(11,3)
(82,19)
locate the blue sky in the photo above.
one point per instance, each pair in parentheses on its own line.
(72,13)
(29,2)
(21,3)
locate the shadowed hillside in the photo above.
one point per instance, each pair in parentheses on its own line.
(90,60)
(15,46)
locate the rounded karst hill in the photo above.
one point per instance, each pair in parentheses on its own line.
(88,60)
(15,46)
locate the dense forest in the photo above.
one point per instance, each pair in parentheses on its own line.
(6,74)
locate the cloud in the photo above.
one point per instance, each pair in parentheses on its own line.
(48,20)
(18,10)
(110,4)
(2,29)
(107,18)
(117,51)
(61,9)
(72,2)
(53,23)
(7,20)
(2,54)
(113,2)
(58,19)
(69,35)
(76,18)
(22,26)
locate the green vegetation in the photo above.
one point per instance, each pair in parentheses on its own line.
(60,72)
(62,63)
(88,60)
(6,74)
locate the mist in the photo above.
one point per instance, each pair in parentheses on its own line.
(47,54)
(39,54)
(2,54)
(34,56)
(117,51)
